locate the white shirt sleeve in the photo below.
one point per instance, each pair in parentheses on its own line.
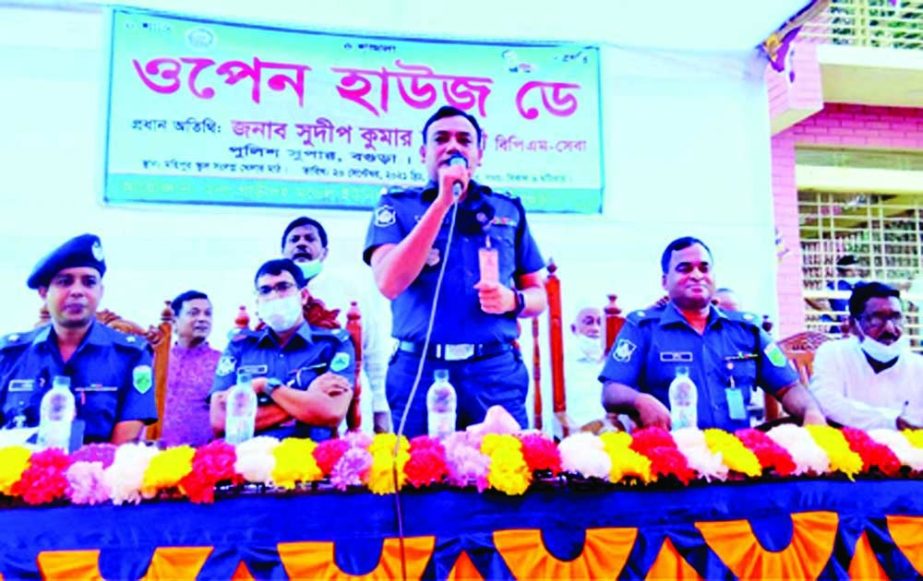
(828,384)
(375,352)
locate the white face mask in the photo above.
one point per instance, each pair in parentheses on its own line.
(310,269)
(884,353)
(592,349)
(281,314)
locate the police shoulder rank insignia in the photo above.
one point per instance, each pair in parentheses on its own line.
(340,362)
(775,355)
(142,378)
(384,216)
(623,350)
(225,366)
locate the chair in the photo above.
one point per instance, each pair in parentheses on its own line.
(614,323)
(354,328)
(799,349)
(159,339)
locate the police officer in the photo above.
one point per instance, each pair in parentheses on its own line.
(475,322)
(726,353)
(110,372)
(303,376)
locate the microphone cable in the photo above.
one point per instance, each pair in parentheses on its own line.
(416,384)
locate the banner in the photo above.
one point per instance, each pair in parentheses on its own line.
(207,112)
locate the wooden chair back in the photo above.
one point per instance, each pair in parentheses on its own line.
(158,337)
(799,349)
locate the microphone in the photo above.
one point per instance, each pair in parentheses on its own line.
(457,159)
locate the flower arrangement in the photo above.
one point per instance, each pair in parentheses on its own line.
(508,463)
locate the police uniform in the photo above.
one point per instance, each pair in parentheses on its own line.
(476,347)
(309,353)
(110,371)
(732,355)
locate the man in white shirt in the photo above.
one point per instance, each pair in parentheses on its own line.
(871,379)
(304,241)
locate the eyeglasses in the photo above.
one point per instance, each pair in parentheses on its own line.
(280,288)
(880,320)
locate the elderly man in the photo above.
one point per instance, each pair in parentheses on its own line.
(302,375)
(305,242)
(110,372)
(871,379)
(725,353)
(472,329)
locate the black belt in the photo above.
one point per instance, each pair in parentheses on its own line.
(456,352)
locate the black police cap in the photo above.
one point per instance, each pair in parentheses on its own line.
(83,250)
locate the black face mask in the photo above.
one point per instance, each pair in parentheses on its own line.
(475,218)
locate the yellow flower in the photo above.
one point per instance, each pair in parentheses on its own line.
(492,442)
(626,463)
(166,469)
(736,456)
(13,462)
(915,437)
(508,472)
(295,463)
(381,475)
(834,443)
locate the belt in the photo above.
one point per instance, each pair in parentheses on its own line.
(456,351)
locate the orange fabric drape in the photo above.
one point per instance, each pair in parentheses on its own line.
(70,565)
(864,565)
(605,552)
(907,532)
(464,570)
(177,563)
(242,573)
(669,564)
(316,560)
(813,534)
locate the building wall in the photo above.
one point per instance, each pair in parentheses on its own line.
(837,125)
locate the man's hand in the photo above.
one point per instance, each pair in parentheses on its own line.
(259,384)
(651,412)
(449,175)
(813,417)
(381,422)
(568,425)
(495,298)
(331,385)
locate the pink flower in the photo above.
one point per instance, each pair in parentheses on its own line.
(328,453)
(86,483)
(540,453)
(45,479)
(352,469)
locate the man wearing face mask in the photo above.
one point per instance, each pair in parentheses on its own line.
(304,241)
(871,379)
(584,359)
(303,375)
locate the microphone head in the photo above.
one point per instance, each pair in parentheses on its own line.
(458,159)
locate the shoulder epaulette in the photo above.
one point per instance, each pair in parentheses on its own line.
(744,317)
(14,340)
(641,315)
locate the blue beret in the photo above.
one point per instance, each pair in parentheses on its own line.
(84,250)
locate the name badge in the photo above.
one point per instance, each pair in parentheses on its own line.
(254,369)
(736,407)
(21,385)
(676,357)
(95,387)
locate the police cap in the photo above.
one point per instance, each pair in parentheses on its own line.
(83,250)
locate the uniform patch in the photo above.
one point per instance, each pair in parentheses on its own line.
(225,366)
(623,351)
(385,216)
(775,355)
(340,362)
(142,377)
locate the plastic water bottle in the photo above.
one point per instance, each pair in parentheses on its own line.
(440,406)
(684,398)
(57,415)
(240,411)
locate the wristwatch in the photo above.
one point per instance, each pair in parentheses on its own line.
(272,384)
(520,303)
